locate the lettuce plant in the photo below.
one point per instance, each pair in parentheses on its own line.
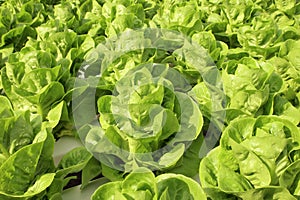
(165,186)
(146,114)
(151,84)
(254,159)
(145,130)
(26,162)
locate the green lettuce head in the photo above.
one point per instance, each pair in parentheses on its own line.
(147,117)
(255,160)
(142,184)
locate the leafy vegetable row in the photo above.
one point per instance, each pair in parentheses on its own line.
(159,100)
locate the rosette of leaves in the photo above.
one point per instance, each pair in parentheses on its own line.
(175,65)
(181,16)
(254,161)
(146,121)
(83,17)
(18,20)
(36,90)
(286,65)
(122,15)
(142,184)
(249,85)
(26,148)
(217,50)
(261,36)
(227,19)
(287,24)
(37,77)
(26,162)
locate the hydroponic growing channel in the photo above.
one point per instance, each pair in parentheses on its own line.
(149,100)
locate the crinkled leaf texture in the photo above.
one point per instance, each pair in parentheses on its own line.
(255,159)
